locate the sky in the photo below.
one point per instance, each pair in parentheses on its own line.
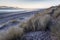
(30,3)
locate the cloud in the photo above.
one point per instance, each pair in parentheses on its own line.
(33,0)
(30,3)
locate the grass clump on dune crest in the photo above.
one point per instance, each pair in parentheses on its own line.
(13,33)
(36,23)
